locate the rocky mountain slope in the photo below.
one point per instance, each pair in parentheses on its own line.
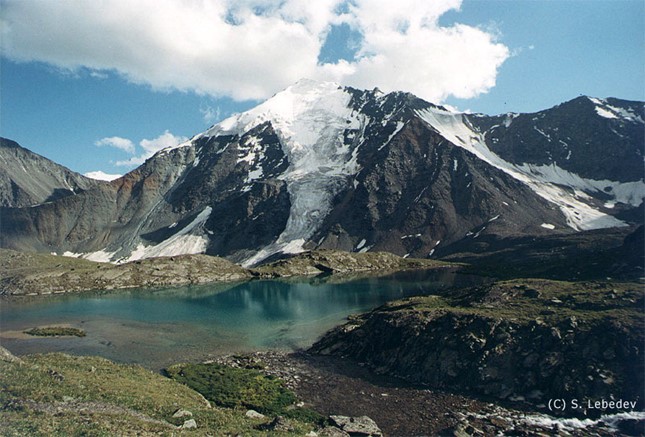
(319,166)
(28,179)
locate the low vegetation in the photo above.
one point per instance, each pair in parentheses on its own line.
(242,388)
(55,331)
(61,395)
(37,274)
(34,274)
(337,262)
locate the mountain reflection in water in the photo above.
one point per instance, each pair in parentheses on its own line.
(158,327)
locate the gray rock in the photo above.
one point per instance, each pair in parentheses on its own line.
(279,424)
(332,431)
(7,356)
(254,414)
(182,413)
(357,426)
(189,424)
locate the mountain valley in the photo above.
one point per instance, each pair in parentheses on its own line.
(319,166)
(333,183)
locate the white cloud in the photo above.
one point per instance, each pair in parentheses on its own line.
(406,49)
(249,49)
(150,147)
(117,142)
(210,114)
(101,176)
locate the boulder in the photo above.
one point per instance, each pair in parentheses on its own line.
(182,413)
(7,356)
(332,431)
(189,424)
(252,414)
(279,424)
(357,426)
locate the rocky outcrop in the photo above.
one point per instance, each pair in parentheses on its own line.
(361,426)
(8,357)
(40,274)
(528,340)
(333,261)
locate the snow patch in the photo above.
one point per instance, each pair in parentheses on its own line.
(181,243)
(101,176)
(509,119)
(579,215)
(397,129)
(631,193)
(606,110)
(604,113)
(547,226)
(98,256)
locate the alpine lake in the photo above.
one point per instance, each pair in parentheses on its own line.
(159,327)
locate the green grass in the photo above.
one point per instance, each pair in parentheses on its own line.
(242,388)
(55,331)
(530,299)
(61,395)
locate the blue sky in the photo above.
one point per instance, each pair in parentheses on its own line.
(105,92)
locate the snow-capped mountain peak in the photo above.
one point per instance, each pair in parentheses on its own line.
(293,111)
(322,166)
(310,118)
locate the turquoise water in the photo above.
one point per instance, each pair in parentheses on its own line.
(160,327)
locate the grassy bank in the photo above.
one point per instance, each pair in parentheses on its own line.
(61,395)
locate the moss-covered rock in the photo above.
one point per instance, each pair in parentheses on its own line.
(55,331)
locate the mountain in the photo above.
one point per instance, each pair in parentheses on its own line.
(28,179)
(319,166)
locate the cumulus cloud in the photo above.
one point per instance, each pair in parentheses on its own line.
(117,142)
(249,49)
(150,147)
(145,150)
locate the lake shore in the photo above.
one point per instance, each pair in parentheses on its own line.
(38,274)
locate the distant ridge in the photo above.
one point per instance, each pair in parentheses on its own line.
(320,166)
